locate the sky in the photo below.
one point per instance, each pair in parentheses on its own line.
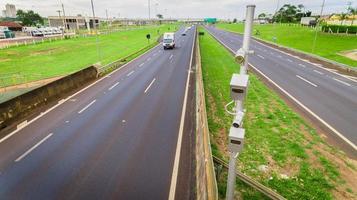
(223,9)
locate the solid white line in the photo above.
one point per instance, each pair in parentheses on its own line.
(297,101)
(33,148)
(318,72)
(179,140)
(262,57)
(87,106)
(152,82)
(142,64)
(75,94)
(306,81)
(171,56)
(130,73)
(113,86)
(342,82)
(302,65)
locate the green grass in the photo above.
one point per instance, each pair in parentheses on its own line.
(62,57)
(275,135)
(301,38)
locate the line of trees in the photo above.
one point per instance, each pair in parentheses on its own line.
(29,18)
(291,13)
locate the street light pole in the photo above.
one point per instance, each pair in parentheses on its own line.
(96,31)
(317,26)
(149,9)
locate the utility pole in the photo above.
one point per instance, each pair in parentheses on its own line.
(149,9)
(59,17)
(238,89)
(317,26)
(96,31)
(64,18)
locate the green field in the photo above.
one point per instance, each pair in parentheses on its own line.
(300,165)
(301,38)
(62,57)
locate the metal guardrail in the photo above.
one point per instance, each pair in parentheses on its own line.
(249,181)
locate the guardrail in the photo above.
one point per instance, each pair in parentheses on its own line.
(206,179)
(249,181)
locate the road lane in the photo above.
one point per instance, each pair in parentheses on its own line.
(333,103)
(121,147)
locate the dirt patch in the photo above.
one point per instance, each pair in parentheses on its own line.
(350,54)
(44,52)
(29,84)
(4,59)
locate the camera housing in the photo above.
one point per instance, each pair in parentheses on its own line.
(239,84)
(238,119)
(236,139)
(240,56)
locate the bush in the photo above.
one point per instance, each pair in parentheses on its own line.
(339,29)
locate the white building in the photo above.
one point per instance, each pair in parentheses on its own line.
(10,11)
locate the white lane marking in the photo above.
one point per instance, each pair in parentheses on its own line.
(108,76)
(279,56)
(148,59)
(87,106)
(307,81)
(75,94)
(318,72)
(302,65)
(33,148)
(289,60)
(113,86)
(262,57)
(347,84)
(142,64)
(295,100)
(179,140)
(171,56)
(154,54)
(152,82)
(22,124)
(67,122)
(130,73)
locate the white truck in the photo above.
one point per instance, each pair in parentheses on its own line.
(169,41)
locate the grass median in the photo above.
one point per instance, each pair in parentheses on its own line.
(329,46)
(62,57)
(281,150)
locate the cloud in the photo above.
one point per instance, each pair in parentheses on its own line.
(170,8)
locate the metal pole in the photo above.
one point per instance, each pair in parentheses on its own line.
(64,18)
(96,32)
(231,182)
(317,26)
(149,9)
(247,35)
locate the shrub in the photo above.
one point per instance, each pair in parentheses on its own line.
(340,29)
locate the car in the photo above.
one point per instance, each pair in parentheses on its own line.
(2,34)
(37,33)
(183,33)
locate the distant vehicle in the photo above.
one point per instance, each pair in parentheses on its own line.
(183,33)
(36,33)
(6,33)
(2,34)
(308,21)
(169,41)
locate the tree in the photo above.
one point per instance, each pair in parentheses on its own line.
(235,20)
(29,18)
(160,16)
(291,13)
(343,17)
(353,12)
(262,16)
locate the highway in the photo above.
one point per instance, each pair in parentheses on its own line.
(326,96)
(118,138)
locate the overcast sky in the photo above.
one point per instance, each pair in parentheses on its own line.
(227,9)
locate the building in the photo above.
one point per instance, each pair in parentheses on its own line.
(73,22)
(10,11)
(13,26)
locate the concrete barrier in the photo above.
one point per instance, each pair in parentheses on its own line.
(26,105)
(205,175)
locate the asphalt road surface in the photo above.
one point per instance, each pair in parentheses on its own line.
(115,139)
(327,96)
